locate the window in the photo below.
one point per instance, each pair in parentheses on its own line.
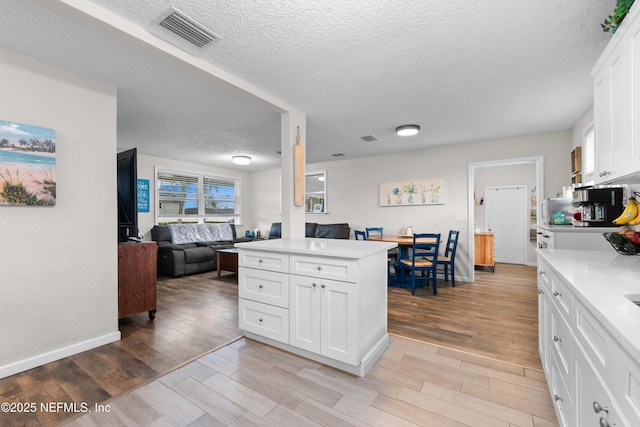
(589,156)
(187,197)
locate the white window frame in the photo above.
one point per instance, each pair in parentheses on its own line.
(201,216)
(588,176)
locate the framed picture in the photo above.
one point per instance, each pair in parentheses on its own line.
(27,165)
(409,193)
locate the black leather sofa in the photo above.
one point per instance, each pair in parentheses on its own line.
(192,252)
(312,229)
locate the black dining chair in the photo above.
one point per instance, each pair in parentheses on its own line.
(423,259)
(360,235)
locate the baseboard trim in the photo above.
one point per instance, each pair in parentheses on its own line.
(57,354)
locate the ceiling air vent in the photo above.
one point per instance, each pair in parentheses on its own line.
(185,27)
(369,138)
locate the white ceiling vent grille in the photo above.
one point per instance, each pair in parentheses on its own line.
(187,28)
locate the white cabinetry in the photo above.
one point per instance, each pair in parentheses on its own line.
(324,317)
(616,101)
(263,291)
(591,378)
(322,299)
(568,237)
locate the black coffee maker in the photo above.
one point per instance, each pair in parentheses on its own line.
(597,207)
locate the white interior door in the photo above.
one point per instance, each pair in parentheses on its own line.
(506,215)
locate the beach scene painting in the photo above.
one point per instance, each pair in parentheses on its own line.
(27,165)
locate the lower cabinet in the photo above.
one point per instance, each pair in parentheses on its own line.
(591,379)
(323,317)
(313,305)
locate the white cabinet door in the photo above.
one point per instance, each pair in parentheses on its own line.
(304,313)
(324,317)
(543,331)
(339,321)
(634,63)
(612,105)
(594,404)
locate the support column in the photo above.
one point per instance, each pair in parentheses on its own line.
(293,217)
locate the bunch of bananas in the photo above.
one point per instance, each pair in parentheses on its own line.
(630,215)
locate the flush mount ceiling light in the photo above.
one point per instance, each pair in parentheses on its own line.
(407,130)
(241,160)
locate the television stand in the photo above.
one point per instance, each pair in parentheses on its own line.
(137,270)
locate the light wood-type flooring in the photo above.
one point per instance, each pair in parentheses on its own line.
(248,383)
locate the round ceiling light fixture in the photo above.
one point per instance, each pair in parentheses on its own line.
(407,130)
(241,160)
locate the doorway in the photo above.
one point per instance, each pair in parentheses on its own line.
(538,161)
(506,216)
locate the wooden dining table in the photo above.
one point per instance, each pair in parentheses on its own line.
(402,240)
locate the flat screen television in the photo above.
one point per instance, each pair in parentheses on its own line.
(128,196)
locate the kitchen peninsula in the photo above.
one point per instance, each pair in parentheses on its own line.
(324,299)
(589,339)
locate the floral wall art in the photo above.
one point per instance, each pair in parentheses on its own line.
(27,165)
(407,193)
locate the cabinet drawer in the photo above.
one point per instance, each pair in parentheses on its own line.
(561,296)
(263,319)
(562,399)
(594,340)
(560,341)
(544,276)
(264,286)
(326,268)
(271,261)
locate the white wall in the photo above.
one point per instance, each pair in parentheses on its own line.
(58,291)
(353,185)
(146,170)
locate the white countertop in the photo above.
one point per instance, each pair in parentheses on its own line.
(341,248)
(601,280)
(572,229)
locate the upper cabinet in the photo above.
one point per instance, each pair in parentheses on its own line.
(617,102)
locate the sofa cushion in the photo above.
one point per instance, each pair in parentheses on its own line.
(198,254)
(310,229)
(184,233)
(160,233)
(332,231)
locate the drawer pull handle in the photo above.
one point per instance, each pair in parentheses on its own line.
(540,292)
(260,261)
(314,285)
(557,294)
(604,423)
(557,398)
(542,273)
(556,339)
(597,408)
(260,286)
(322,286)
(319,268)
(260,320)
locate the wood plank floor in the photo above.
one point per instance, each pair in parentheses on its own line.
(413,383)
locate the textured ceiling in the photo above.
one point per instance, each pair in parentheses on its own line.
(465,71)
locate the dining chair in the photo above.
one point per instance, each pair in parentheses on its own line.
(449,258)
(374,231)
(360,235)
(424,259)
